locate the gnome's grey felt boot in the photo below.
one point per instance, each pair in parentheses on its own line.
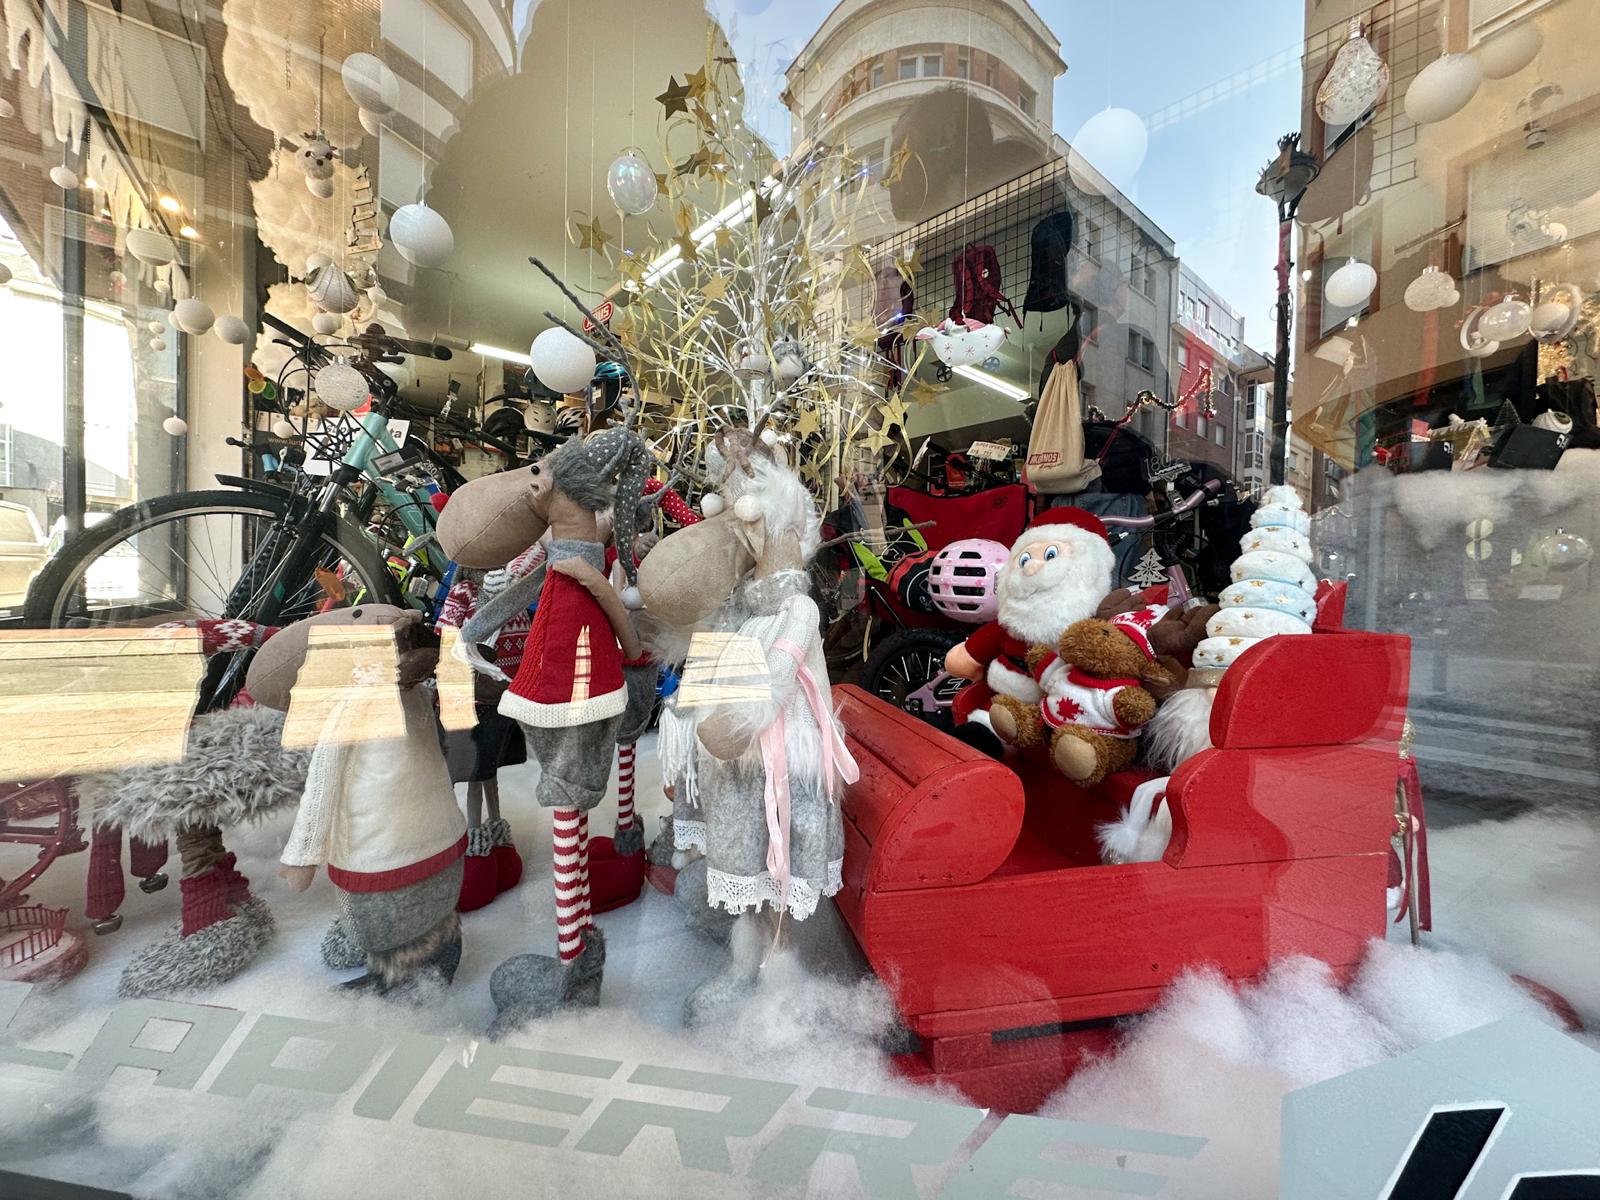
(434,956)
(339,948)
(213,955)
(700,915)
(531,987)
(751,936)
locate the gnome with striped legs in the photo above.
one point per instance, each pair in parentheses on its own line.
(571,690)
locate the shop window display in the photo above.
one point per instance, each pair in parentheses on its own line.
(728,598)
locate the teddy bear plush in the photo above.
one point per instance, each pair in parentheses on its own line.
(1095,701)
(1173,637)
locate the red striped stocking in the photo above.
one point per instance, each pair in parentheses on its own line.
(583,868)
(571,884)
(624,787)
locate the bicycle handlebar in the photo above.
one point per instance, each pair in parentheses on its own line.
(1189,503)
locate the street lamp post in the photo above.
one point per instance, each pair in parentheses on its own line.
(1284,181)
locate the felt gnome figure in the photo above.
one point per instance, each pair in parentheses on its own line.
(378,810)
(234,771)
(570,691)
(1058,571)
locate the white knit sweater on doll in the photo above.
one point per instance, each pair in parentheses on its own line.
(381,814)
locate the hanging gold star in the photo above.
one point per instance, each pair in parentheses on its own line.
(894,170)
(686,244)
(662,179)
(894,412)
(591,236)
(675,98)
(863,333)
(763,206)
(875,441)
(807,423)
(856,262)
(632,268)
(724,239)
(697,84)
(715,288)
(925,393)
(703,115)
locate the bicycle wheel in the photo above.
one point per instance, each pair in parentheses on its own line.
(199,554)
(901,668)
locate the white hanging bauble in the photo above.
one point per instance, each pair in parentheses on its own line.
(326,322)
(194,316)
(562,362)
(5,274)
(1350,285)
(176,426)
(1113,142)
(370,83)
(156,327)
(1355,81)
(332,290)
(363,276)
(322,189)
(232,329)
(162,285)
(750,360)
(421,235)
(118,278)
(7,109)
(64,177)
(1430,290)
(1442,88)
(158,344)
(1472,341)
(148,246)
(340,386)
(1508,52)
(371,122)
(316,261)
(1506,320)
(631,183)
(1555,317)
(284,428)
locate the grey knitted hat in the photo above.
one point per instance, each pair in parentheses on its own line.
(620,455)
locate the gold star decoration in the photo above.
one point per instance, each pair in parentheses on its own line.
(686,244)
(856,262)
(632,268)
(591,236)
(715,288)
(923,392)
(724,239)
(763,206)
(807,423)
(662,179)
(864,332)
(895,169)
(675,99)
(697,83)
(708,121)
(875,441)
(894,412)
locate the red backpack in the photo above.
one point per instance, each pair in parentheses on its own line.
(978,294)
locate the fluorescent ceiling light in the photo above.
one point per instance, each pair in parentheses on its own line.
(736,212)
(1010,390)
(495,352)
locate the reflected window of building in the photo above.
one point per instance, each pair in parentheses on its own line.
(963,66)
(1026,99)
(908,68)
(875,78)
(932,66)
(1141,350)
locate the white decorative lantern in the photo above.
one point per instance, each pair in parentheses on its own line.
(316,261)
(750,360)
(194,316)
(150,247)
(64,177)
(421,235)
(232,330)
(631,184)
(1506,320)
(340,386)
(370,83)
(1355,81)
(1350,285)
(326,322)
(1473,341)
(176,426)
(1508,52)
(332,290)
(562,362)
(1112,142)
(1430,290)
(1442,88)
(1555,317)
(158,344)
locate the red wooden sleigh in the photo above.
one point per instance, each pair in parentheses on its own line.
(976,891)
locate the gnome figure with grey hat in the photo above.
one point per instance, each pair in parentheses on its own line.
(572,688)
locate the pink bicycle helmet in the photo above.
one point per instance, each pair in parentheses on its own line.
(962,578)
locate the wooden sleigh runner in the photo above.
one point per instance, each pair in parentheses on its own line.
(976,891)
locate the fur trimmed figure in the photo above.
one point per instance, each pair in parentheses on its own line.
(235,770)
(570,691)
(1094,702)
(1058,570)
(378,809)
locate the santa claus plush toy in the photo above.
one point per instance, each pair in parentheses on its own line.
(1057,573)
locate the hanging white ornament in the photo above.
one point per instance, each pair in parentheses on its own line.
(332,290)
(421,235)
(370,83)
(1473,341)
(1555,316)
(362,276)
(1508,52)
(1110,145)
(156,327)
(1506,320)
(64,177)
(316,260)
(118,278)
(5,275)
(340,386)
(562,362)
(1442,88)
(284,428)
(232,329)
(370,121)
(631,184)
(326,322)
(1355,81)
(788,361)
(158,344)
(7,109)
(316,157)
(1430,290)
(750,360)
(194,316)
(322,189)
(150,247)
(1350,285)
(162,285)
(176,426)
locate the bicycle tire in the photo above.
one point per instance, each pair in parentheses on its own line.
(52,589)
(904,661)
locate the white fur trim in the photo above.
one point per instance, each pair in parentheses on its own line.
(1143,830)
(1001,678)
(566,714)
(1180,729)
(747,508)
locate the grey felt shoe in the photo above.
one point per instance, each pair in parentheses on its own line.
(213,955)
(629,841)
(699,914)
(719,995)
(530,987)
(339,949)
(660,854)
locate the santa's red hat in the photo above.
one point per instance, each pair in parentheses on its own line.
(1052,520)
(1137,625)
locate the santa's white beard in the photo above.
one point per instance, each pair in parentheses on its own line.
(1039,607)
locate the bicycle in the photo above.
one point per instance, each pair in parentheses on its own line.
(276,549)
